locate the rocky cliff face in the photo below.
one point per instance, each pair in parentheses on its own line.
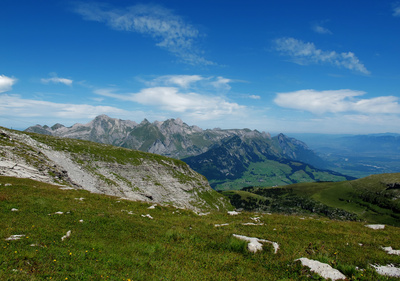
(106,169)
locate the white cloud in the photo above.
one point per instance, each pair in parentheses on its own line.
(6,83)
(318,28)
(222,83)
(184,81)
(396,10)
(306,53)
(197,82)
(16,106)
(171,99)
(57,80)
(254,97)
(335,101)
(169,30)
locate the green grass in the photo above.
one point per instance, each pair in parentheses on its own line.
(114,241)
(370,199)
(272,173)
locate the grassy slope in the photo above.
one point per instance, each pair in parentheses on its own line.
(346,195)
(112,244)
(368,197)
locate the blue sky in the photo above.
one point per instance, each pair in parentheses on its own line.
(275,66)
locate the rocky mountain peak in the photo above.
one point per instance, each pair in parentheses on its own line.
(145,122)
(178,121)
(56,126)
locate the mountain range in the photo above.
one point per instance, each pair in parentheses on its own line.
(225,156)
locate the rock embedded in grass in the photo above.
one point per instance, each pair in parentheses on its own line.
(391,251)
(387,270)
(323,269)
(255,243)
(222,224)
(15,237)
(375,226)
(66,235)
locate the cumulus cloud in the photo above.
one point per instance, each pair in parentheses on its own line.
(6,83)
(172,99)
(255,97)
(396,10)
(15,105)
(57,80)
(335,101)
(306,53)
(170,31)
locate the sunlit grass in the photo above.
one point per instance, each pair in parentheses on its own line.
(111,240)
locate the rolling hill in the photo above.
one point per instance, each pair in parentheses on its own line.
(375,199)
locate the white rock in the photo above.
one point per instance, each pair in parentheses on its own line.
(390,251)
(222,224)
(148,216)
(14,210)
(66,235)
(252,223)
(152,206)
(323,269)
(376,226)
(15,237)
(233,213)
(388,270)
(58,213)
(255,243)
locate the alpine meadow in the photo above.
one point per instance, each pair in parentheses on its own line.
(199,140)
